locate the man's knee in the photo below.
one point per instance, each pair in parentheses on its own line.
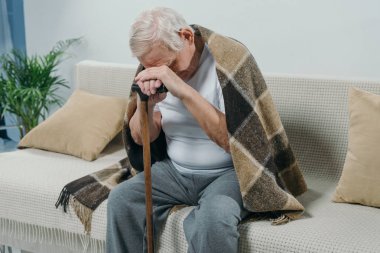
(219,211)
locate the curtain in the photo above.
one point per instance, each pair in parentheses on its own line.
(5,45)
(5,31)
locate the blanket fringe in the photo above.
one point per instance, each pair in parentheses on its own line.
(283,219)
(276,218)
(11,231)
(84,214)
(63,199)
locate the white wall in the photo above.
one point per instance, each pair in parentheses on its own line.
(326,37)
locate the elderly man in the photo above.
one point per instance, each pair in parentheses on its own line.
(199,169)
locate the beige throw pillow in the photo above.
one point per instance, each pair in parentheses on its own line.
(82,127)
(360,180)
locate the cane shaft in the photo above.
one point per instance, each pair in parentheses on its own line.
(147,173)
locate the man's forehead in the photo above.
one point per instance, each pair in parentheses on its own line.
(157,56)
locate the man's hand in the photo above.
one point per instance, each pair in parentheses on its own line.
(156,98)
(151,79)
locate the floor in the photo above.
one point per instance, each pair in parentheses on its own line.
(7,145)
(6,249)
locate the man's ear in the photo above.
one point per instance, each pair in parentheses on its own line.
(187,34)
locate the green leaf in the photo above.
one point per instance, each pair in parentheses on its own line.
(29,84)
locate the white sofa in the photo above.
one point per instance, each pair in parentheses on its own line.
(315,115)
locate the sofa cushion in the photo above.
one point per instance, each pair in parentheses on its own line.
(82,127)
(360,180)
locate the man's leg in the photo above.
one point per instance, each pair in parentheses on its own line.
(212,225)
(126,207)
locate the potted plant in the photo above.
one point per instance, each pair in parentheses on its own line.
(29,84)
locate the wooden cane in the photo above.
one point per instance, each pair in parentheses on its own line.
(148,178)
(144,121)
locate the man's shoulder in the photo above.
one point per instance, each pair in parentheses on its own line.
(216,38)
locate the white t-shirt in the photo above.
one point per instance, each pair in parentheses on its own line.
(189,147)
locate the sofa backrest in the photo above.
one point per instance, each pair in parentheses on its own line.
(313,110)
(103,78)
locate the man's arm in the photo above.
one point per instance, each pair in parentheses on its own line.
(154,124)
(212,121)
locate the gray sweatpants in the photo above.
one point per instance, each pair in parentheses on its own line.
(210,227)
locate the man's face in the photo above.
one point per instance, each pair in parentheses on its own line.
(178,62)
(159,55)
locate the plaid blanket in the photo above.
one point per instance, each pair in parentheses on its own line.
(268,173)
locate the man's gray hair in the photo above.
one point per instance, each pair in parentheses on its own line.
(158,25)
